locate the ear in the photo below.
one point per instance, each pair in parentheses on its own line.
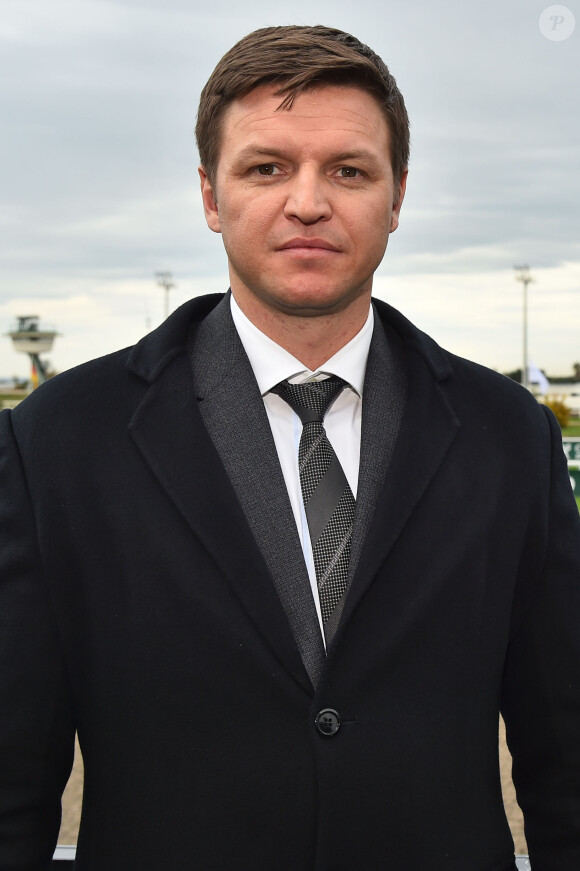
(210,205)
(398,201)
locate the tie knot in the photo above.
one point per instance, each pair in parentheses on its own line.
(312,399)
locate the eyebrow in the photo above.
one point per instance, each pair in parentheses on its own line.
(358,154)
(259,151)
(252,151)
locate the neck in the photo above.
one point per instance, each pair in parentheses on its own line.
(312,339)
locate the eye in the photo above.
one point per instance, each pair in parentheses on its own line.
(349,172)
(266,169)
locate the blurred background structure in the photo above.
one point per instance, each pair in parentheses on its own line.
(28,338)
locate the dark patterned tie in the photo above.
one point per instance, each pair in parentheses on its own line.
(328,500)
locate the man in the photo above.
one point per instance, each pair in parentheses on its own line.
(282,563)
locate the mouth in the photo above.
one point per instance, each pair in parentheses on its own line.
(309,246)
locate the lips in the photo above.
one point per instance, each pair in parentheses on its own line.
(314,244)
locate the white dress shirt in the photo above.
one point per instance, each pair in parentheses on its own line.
(271,364)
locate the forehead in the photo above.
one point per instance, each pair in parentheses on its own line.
(338,113)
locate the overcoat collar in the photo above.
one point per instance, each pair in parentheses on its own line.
(153,353)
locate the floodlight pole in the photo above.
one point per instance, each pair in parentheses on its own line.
(165,280)
(523,275)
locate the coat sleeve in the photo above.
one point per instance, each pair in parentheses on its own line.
(541,686)
(36,724)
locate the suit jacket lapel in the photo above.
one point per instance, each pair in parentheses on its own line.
(384,396)
(234,414)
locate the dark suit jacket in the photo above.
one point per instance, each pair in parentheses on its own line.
(153,597)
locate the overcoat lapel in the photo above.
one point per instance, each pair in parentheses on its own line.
(406,467)
(170,433)
(234,414)
(383,404)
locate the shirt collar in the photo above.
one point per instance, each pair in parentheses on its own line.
(272,363)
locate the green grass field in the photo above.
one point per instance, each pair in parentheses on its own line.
(572,430)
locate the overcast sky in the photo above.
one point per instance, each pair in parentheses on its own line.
(99,185)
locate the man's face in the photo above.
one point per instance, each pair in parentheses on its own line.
(304,199)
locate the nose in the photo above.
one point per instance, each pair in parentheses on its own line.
(308,197)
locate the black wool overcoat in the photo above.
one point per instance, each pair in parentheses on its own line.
(138,607)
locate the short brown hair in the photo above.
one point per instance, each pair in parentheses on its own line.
(297,59)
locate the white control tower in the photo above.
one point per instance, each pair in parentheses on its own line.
(28,338)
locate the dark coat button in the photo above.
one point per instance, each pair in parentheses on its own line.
(327,722)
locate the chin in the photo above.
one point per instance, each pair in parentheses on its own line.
(314,302)
(310,305)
